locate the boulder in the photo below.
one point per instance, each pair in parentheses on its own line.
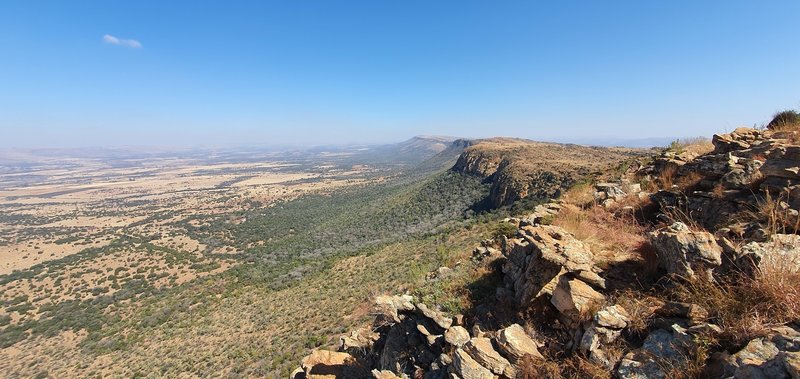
(385,374)
(573,298)
(324,364)
(661,350)
(614,317)
(468,368)
(606,326)
(684,252)
(542,255)
(441,320)
(773,356)
(611,191)
(483,352)
(456,336)
(389,306)
(515,343)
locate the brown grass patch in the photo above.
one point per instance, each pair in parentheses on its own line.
(786,124)
(689,182)
(610,237)
(571,367)
(640,308)
(694,146)
(745,308)
(774,213)
(581,195)
(666,178)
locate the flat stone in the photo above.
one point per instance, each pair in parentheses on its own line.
(515,343)
(435,316)
(468,368)
(614,317)
(325,364)
(456,336)
(573,297)
(483,352)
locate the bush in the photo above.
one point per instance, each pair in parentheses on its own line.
(785,120)
(504,229)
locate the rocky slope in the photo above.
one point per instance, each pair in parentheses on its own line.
(713,290)
(520,168)
(722,189)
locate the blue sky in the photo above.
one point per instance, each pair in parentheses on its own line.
(169,73)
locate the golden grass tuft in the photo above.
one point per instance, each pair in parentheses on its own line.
(580,195)
(571,367)
(745,308)
(689,181)
(773,213)
(640,308)
(666,178)
(610,237)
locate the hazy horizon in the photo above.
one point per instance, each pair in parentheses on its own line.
(277,147)
(316,73)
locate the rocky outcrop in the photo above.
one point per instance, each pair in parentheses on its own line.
(551,282)
(573,298)
(606,326)
(773,356)
(515,343)
(718,189)
(481,349)
(540,256)
(747,259)
(468,368)
(685,253)
(413,339)
(324,364)
(520,169)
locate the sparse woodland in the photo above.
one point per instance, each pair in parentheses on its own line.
(501,258)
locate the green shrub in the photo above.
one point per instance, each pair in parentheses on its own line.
(504,229)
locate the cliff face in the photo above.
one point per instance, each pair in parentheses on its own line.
(632,290)
(519,169)
(477,162)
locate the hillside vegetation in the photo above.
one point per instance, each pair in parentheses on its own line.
(685,266)
(269,282)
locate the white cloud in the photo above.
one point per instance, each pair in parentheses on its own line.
(132,43)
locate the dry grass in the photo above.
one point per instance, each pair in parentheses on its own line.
(745,308)
(689,181)
(610,237)
(773,213)
(718,191)
(571,367)
(692,364)
(669,178)
(640,308)
(693,146)
(788,120)
(666,178)
(778,215)
(580,195)
(787,125)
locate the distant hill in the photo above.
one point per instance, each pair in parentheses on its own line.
(520,168)
(413,151)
